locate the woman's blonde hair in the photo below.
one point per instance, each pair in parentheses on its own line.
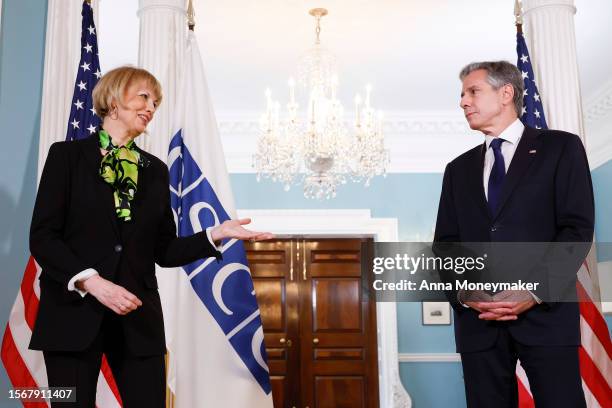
(114,84)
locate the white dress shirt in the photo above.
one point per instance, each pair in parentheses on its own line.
(512,135)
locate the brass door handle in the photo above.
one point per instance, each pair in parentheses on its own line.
(282,340)
(285,341)
(304,260)
(291,262)
(315,340)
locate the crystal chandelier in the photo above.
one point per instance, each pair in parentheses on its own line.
(319,151)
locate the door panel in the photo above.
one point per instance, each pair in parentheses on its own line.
(337,326)
(271,268)
(336,305)
(339,392)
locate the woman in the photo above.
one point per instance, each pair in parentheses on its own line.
(101,221)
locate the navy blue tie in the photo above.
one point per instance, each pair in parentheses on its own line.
(498,172)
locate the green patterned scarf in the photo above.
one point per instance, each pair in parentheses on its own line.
(119,168)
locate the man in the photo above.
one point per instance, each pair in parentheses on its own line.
(520,185)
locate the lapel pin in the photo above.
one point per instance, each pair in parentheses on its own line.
(532,151)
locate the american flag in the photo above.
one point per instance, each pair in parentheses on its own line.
(25,367)
(533,111)
(596,349)
(83,119)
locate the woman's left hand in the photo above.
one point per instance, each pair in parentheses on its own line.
(235,229)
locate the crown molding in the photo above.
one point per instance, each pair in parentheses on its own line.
(598,125)
(599,105)
(419,142)
(599,146)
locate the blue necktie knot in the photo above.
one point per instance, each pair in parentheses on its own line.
(496,144)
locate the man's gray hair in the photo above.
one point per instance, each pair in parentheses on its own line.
(500,73)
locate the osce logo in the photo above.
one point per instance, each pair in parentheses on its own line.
(225,287)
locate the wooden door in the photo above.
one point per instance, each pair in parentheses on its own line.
(338,327)
(319,322)
(274,277)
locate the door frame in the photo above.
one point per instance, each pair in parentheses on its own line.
(347,223)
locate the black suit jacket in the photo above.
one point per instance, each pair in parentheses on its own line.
(547,196)
(74,227)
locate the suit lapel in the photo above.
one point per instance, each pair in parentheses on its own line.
(525,152)
(476,185)
(102,190)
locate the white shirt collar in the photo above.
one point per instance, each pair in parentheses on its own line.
(511,134)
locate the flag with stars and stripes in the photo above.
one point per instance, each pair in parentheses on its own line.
(595,351)
(533,111)
(83,119)
(25,367)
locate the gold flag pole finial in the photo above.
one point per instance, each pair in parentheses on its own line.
(190,16)
(518,15)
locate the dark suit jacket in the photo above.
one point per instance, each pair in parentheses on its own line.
(74,227)
(547,196)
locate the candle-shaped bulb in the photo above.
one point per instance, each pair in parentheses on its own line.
(334,86)
(313,108)
(368,91)
(357,108)
(269,107)
(291,83)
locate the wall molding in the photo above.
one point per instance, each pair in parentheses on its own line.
(429,358)
(345,223)
(419,142)
(599,105)
(598,126)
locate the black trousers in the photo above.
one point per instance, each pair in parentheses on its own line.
(553,373)
(141,380)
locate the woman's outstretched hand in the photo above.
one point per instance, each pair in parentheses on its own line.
(235,229)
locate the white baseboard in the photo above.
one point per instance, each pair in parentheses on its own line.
(429,358)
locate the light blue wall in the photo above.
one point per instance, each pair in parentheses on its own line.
(434,385)
(602,185)
(21,71)
(412,198)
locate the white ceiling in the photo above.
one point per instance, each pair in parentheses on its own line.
(409,50)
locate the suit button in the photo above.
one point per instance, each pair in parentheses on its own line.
(118,248)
